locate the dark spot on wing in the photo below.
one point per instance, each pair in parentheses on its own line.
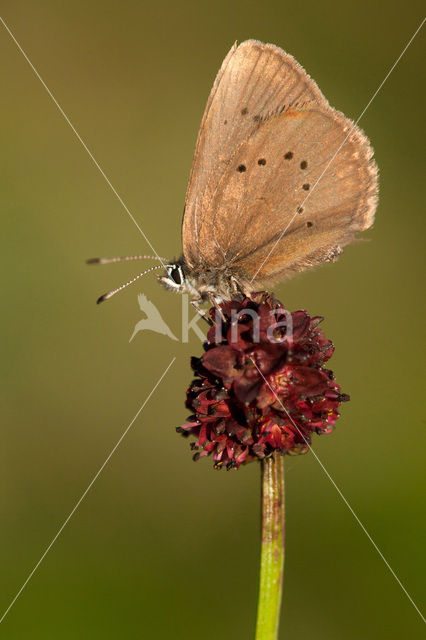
(241,168)
(306,186)
(244,111)
(303,164)
(299,209)
(288,155)
(261,161)
(309,224)
(225,122)
(256,118)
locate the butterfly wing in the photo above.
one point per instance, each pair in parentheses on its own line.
(280,180)
(255,80)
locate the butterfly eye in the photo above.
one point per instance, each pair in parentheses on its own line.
(176,274)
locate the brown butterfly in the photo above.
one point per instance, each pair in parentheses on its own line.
(280,181)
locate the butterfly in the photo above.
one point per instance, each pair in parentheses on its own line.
(280,181)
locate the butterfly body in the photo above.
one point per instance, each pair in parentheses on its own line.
(204,283)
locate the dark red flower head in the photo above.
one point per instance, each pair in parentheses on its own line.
(261,384)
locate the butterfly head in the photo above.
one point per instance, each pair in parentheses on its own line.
(200,282)
(174,278)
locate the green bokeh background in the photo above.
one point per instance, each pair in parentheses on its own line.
(162,547)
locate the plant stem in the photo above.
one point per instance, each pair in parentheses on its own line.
(272,549)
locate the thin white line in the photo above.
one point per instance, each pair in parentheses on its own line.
(84,493)
(344,141)
(79,137)
(344,500)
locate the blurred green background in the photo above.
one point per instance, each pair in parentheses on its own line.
(162,547)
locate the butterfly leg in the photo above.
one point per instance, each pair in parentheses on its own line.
(215,302)
(237,289)
(201,312)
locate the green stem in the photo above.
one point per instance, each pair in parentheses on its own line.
(272,550)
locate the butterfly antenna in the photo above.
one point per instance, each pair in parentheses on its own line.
(123,259)
(108,295)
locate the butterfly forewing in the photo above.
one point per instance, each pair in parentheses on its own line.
(280,180)
(255,81)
